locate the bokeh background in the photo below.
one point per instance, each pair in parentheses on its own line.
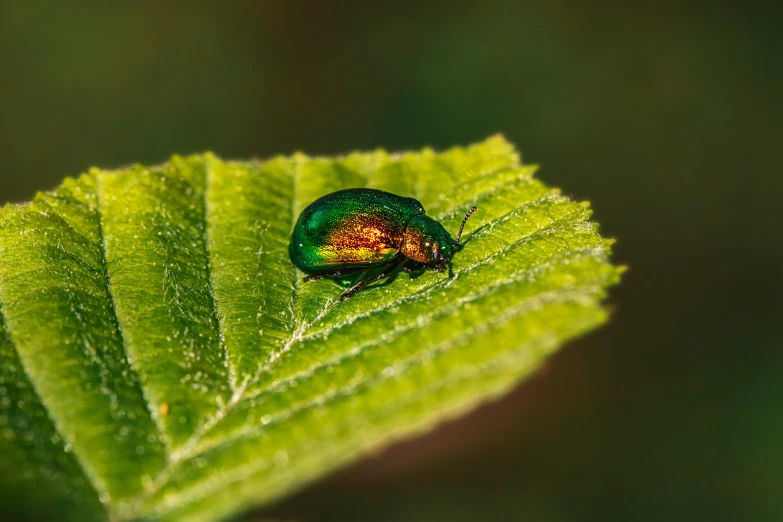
(666,115)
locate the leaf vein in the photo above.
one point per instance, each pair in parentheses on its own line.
(102,245)
(95,482)
(216,319)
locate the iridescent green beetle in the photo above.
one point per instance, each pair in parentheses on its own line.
(358,229)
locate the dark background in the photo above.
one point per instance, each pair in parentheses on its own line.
(666,116)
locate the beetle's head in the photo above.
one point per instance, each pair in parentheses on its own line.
(428,242)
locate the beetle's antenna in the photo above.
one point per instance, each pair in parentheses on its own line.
(462,226)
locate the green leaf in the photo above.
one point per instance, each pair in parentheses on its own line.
(162,359)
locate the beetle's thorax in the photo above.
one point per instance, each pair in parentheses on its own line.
(425,240)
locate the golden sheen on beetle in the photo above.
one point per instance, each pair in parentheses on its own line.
(357,229)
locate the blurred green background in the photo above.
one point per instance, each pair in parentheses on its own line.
(666,116)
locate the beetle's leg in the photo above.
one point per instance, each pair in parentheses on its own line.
(412,265)
(387,272)
(334,273)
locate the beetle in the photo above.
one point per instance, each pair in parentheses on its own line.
(358,229)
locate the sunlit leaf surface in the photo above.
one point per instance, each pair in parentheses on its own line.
(162,359)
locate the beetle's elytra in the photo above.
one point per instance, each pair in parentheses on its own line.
(356,229)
